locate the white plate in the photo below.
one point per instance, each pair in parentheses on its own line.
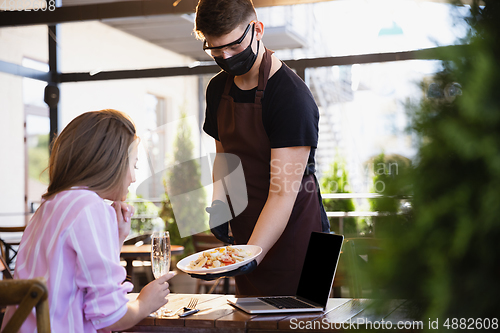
(184,263)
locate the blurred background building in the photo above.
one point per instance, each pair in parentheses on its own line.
(362,106)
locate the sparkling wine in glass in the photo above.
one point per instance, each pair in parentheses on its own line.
(160,255)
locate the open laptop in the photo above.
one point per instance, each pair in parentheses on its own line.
(315,282)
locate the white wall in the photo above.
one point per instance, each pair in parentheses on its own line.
(15,43)
(11,150)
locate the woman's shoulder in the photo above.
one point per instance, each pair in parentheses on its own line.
(75,200)
(59,213)
(83,194)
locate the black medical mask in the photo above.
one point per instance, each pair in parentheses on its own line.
(240,63)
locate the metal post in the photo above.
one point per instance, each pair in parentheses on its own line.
(201,109)
(52,90)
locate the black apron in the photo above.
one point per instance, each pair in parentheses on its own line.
(241,132)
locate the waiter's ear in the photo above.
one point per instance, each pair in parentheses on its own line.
(259,30)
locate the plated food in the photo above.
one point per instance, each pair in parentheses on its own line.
(219,259)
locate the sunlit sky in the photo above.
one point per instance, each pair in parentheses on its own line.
(345,27)
(357,26)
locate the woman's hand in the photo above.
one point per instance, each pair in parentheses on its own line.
(153,295)
(124,213)
(151,298)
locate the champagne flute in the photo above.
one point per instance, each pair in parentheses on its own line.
(160,256)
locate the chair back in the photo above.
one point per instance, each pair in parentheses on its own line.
(139,239)
(360,253)
(6,247)
(12,229)
(4,269)
(27,294)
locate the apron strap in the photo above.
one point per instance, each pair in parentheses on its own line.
(264,70)
(229,82)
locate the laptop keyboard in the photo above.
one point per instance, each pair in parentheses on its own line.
(285,302)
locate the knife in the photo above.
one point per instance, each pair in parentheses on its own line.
(190,312)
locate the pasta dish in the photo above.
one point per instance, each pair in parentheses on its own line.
(219,257)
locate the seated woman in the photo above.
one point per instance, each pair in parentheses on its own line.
(74,239)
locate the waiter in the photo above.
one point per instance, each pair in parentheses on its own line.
(259,110)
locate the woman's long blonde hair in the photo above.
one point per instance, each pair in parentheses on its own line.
(92,151)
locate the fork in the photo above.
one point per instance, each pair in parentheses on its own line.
(191,306)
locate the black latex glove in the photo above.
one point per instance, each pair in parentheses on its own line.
(245,269)
(219,213)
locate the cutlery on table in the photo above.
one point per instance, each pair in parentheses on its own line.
(191,306)
(193,311)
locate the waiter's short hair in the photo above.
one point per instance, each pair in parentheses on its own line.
(219,17)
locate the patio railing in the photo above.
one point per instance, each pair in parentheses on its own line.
(326,196)
(343,214)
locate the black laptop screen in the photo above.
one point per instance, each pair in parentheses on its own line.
(319,268)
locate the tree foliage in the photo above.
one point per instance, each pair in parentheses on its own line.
(38,157)
(185,173)
(336,180)
(448,259)
(391,179)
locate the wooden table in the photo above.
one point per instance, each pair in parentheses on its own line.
(342,314)
(143,252)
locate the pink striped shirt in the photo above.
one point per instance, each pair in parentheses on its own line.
(72,241)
